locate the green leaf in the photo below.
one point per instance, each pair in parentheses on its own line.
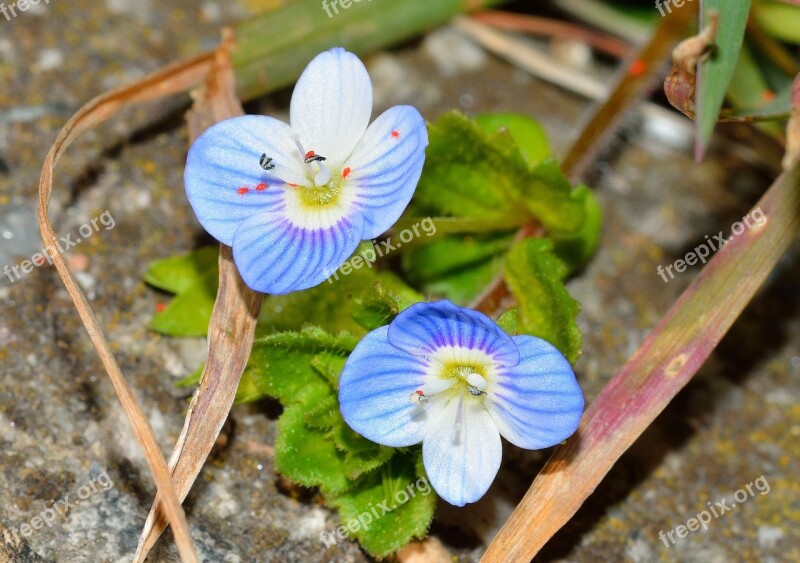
(467,175)
(545,307)
(575,249)
(362,509)
(326,305)
(308,456)
(779,19)
(716,72)
(458,268)
(508,322)
(282,363)
(190,312)
(325,415)
(471,173)
(360,455)
(529,136)
(329,365)
(378,306)
(179,273)
(552,200)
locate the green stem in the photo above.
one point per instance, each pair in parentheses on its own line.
(272,49)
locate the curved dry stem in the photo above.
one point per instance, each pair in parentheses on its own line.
(170,80)
(230,332)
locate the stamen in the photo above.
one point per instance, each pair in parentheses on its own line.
(323,176)
(266,162)
(424,393)
(299,146)
(477,384)
(477,381)
(346,172)
(418,397)
(311,156)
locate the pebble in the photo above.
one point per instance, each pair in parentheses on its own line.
(453,53)
(768,536)
(50,59)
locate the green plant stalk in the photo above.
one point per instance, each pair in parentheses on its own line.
(273,49)
(669,357)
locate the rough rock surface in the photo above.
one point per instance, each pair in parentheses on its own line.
(61,428)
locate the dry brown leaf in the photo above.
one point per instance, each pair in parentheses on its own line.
(232,327)
(172,79)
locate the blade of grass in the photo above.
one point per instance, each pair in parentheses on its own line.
(669,357)
(715,73)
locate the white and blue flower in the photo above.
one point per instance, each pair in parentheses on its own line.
(452,379)
(295,201)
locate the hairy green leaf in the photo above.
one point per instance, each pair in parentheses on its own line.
(389,507)
(545,307)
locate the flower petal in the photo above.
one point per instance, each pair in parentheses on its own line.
(276,255)
(374,391)
(425,327)
(332,104)
(461,460)
(537,403)
(386,166)
(225,160)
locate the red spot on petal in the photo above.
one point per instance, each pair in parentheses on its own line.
(768,95)
(242,191)
(160,307)
(396,134)
(637,68)
(346,172)
(261,187)
(291,185)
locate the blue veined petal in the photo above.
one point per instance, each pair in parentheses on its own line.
(374,391)
(424,327)
(332,104)
(386,166)
(537,403)
(275,255)
(225,160)
(461,460)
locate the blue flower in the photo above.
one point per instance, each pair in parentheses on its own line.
(295,201)
(452,379)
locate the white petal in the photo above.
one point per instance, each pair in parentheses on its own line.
(386,166)
(332,104)
(461,460)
